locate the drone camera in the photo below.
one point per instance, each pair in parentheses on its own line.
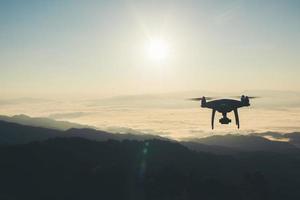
(224,120)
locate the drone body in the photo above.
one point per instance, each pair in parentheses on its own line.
(224,106)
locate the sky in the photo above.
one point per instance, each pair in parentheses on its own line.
(99,48)
(130,65)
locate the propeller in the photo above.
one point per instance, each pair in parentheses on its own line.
(253,97)
(250,97)
(210,98)
(200,98)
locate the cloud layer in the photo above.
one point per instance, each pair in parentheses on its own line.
(166,115)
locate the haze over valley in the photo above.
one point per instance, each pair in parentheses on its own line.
(169,115)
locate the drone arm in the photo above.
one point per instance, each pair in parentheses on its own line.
(213,118)
(236,114)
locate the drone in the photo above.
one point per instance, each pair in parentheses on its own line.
(224,106)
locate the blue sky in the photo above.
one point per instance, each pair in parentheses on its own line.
(98,47)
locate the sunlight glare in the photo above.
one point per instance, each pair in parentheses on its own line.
(157,49)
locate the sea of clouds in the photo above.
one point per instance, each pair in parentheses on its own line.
(168,115)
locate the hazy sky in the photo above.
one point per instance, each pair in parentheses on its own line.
(99,48)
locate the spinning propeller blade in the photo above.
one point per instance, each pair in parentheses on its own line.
(195,99)
(200,98)
(253,97)
(250,97)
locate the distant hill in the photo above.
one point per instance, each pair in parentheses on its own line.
(214,149)
(229,143)
(294,138)
(42,122)
(12,133)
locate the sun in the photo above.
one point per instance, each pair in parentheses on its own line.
(157,49)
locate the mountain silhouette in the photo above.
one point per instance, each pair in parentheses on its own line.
(294,138)
(76,168)
(12,133)
(231,143)
(41,163)
(42,122)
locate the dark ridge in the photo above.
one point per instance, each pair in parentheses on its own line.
(76,168)
(41,122)
(11,133)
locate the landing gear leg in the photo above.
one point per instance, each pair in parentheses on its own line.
(213,118)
